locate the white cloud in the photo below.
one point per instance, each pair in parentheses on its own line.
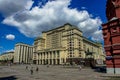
(90,26)
(97,35)
(53,14)
(83,8)
(9,7)
(10,37)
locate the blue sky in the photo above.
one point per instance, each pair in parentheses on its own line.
(23,20)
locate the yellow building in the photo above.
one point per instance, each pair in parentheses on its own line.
(23,53)
(7,56)
(65,44)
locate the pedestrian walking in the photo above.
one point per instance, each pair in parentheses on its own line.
(80,67)
(31,70)
(26,67)
(47,65)
(37,69)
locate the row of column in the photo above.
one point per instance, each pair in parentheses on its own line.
(23,54)
(51,57)
(49,61)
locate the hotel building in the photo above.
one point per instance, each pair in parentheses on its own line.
(65,44)
(23,53)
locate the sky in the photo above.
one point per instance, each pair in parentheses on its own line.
(23,20)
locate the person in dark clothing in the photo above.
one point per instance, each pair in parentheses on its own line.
(37,69)
(26,67)
(80,67)
(31,70)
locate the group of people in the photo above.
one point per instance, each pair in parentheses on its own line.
(37,69)
(31,69)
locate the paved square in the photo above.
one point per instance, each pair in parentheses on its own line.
(19,72)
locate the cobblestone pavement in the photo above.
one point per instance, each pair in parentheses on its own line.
(19,72)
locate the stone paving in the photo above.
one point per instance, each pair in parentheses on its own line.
(19,72)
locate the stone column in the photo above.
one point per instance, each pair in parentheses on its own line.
(26,54)
(39,58)
(45,57)
(29,54)
(42,57)
(55,57)
(52,57)
(36,58)
(21,52)
(48,57)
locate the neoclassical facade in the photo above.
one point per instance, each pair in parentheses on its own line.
(65,44)
(7,56)
(23,53)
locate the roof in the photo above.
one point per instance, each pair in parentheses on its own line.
(37,38)
(10,52)
(114,18)
(21,43)
(72,26)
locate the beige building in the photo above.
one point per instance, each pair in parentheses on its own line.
(93,49)
(7,56)
(23,53)
(65,44)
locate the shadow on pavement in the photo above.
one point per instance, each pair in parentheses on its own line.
(8,78)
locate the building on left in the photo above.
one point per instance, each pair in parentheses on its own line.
(23,53)
(7,56)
